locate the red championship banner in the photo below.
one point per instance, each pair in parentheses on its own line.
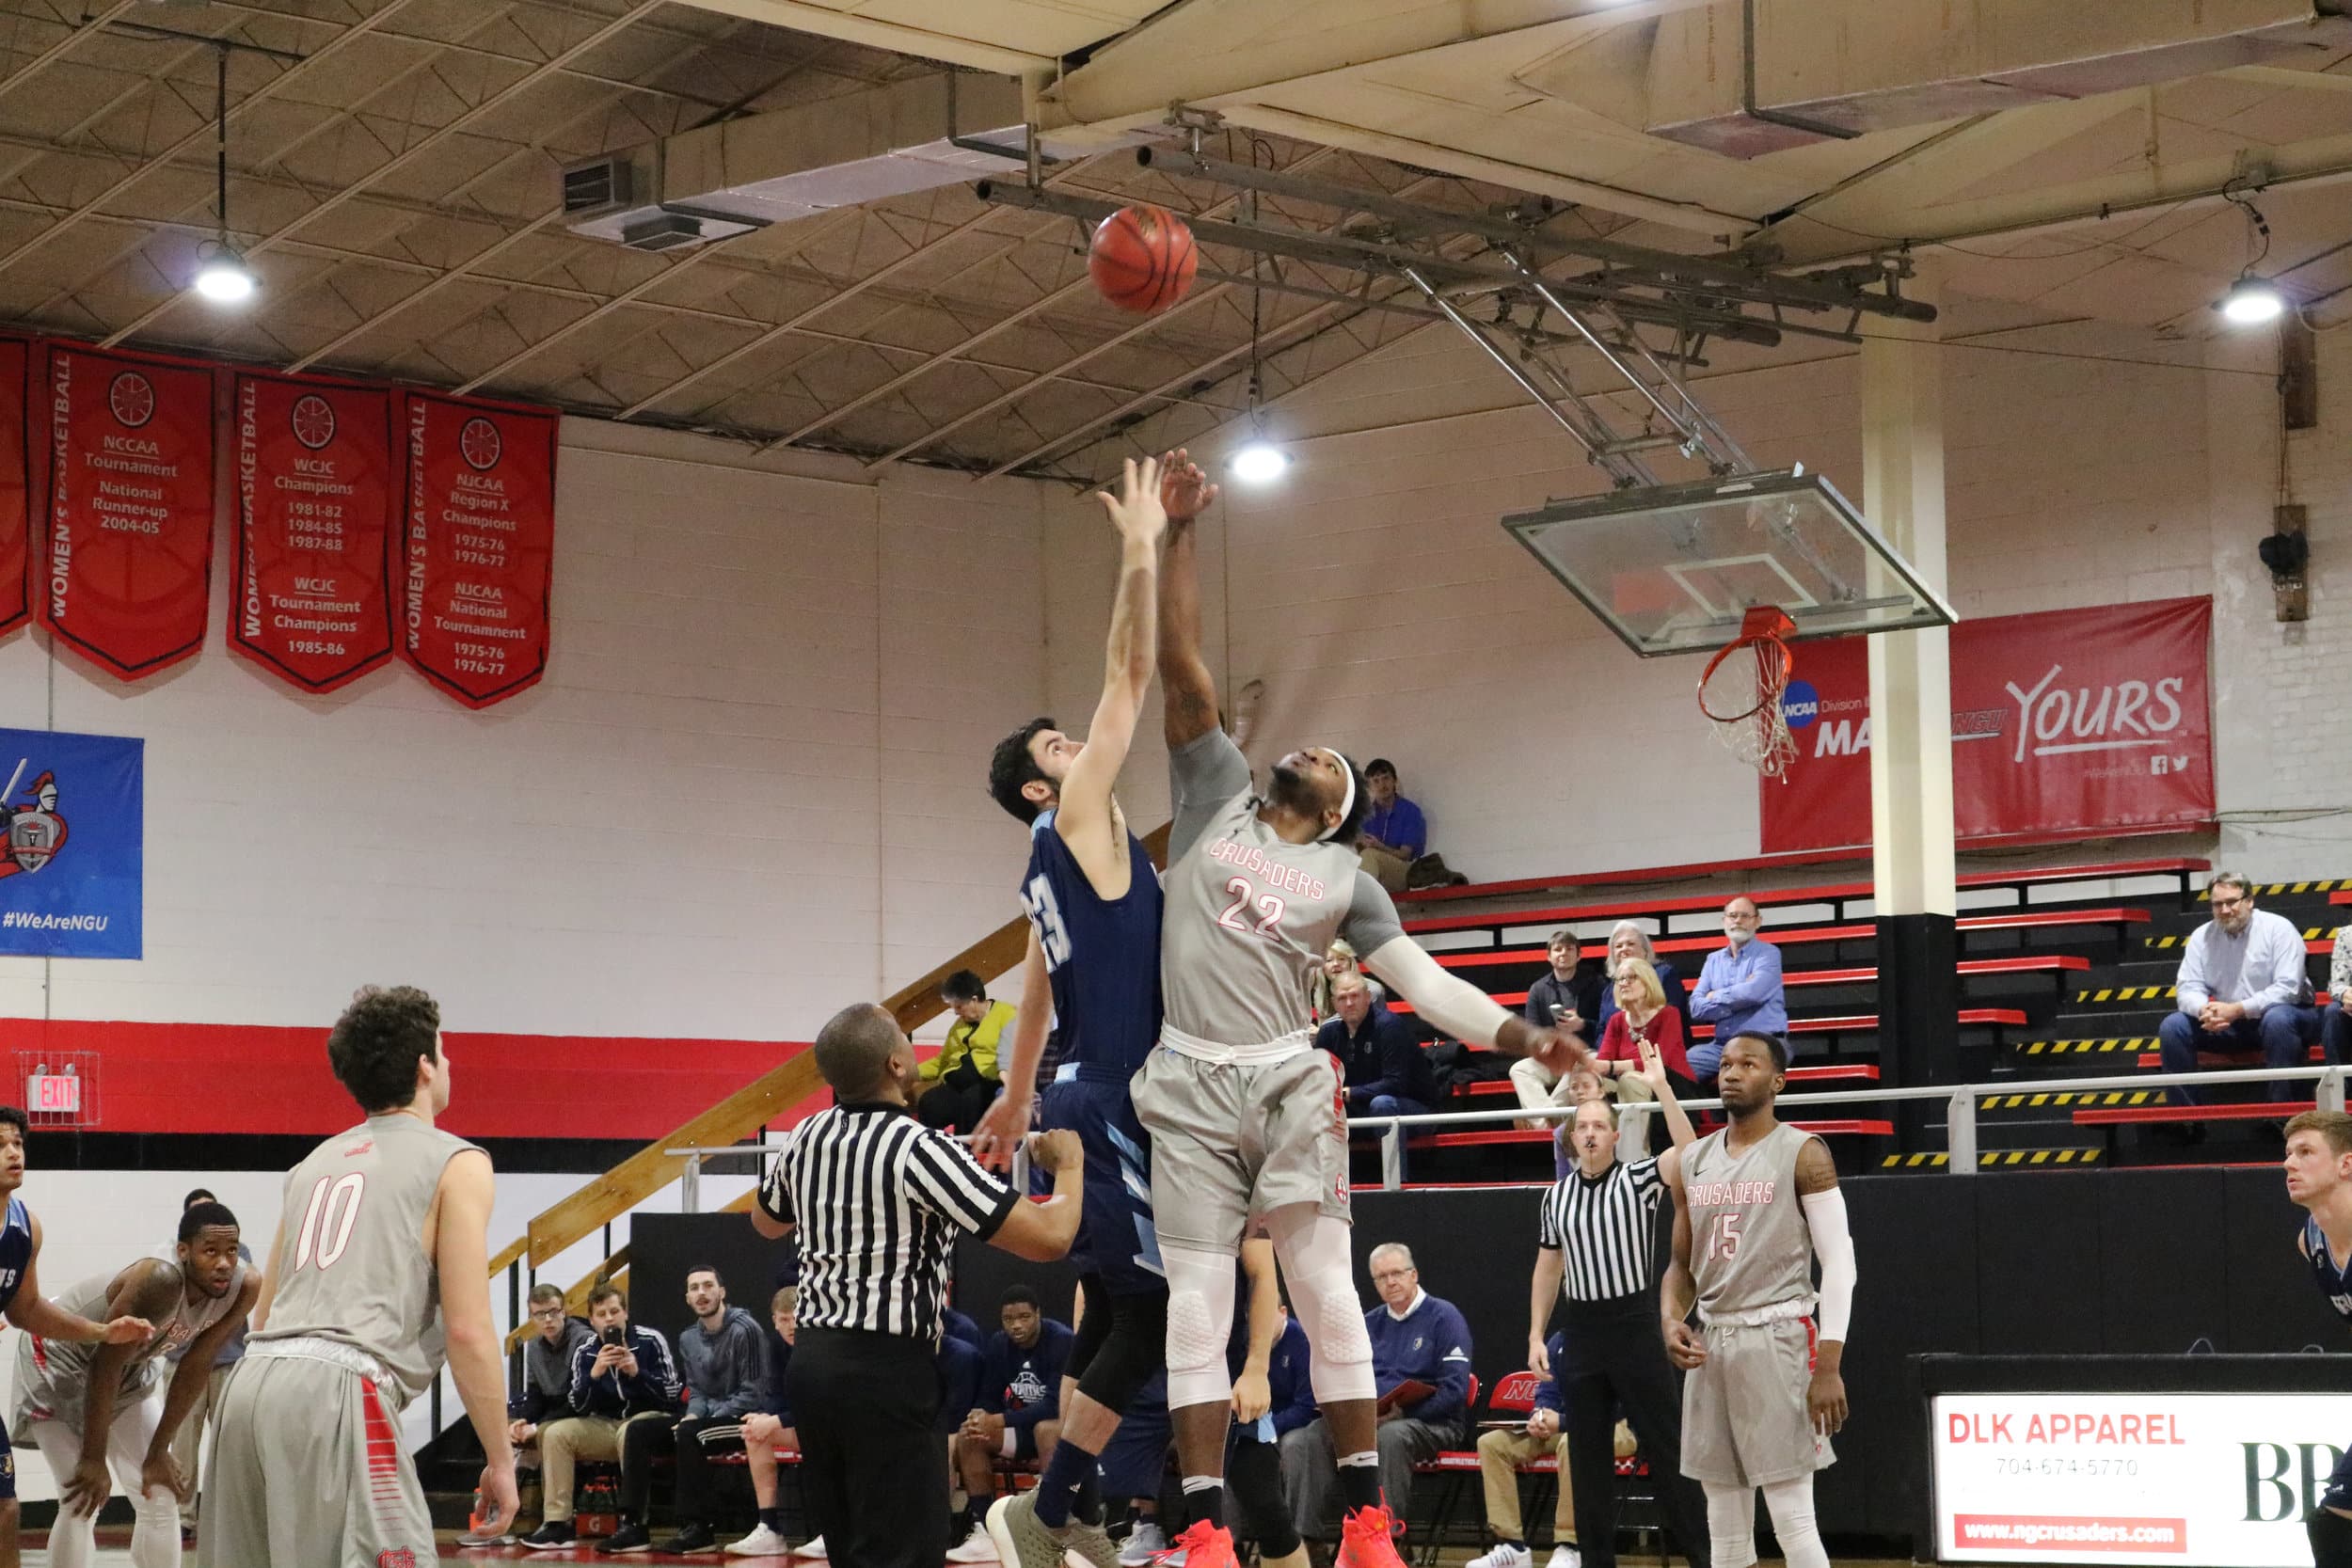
(481,540)
(125,561)
(2064,724)
(318,507)
(16,512)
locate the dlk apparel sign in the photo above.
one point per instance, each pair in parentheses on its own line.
(2070,722)
(73,813)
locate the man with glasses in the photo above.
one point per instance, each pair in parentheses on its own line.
(2242,987)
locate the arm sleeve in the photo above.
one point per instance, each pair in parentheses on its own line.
(2190,983)
(581,1359)
(1703,1006)
(1371,922)
(1451,1399)
(775,1195)
(942,1175)
(746,1367)
(1204,776)
(1451,1005)
(657,1376)
(1832,1243)
(1412,832)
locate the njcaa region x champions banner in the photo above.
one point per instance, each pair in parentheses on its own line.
(75,817)
(2072,722)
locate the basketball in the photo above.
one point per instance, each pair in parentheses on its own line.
(1142,259)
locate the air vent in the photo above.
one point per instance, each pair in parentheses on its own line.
(597,186)
(666,232)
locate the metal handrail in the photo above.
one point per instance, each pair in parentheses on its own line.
(1960,1121)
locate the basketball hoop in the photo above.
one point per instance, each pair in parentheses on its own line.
(1742,694)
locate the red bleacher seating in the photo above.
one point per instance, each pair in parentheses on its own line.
(1797,936)
(2261,1110)
(1832,1072)
(2020,878)
(1830,1129)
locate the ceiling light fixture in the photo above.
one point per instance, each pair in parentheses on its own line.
(1257,461)
(2253,299)
(221,272)
(1260,462)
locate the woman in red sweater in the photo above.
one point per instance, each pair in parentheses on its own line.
(1642,1015)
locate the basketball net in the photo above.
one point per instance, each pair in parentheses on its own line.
(1742,689)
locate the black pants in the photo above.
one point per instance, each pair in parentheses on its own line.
(959,1100)
(693,1440)
(870,1458)
(1616,1356)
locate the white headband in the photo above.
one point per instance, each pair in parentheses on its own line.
(1348,800)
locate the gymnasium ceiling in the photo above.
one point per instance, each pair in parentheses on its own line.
(393,173)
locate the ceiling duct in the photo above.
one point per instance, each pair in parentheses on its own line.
(1819,70)
(722,180)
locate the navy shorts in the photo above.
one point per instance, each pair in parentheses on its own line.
(2339,1492)
(1115,1239)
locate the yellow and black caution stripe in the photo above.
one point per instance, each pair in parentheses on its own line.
(2271,890)
(2081,1098)
(2086,1047)
(2126,994)
(2311,933)
(2001,1157)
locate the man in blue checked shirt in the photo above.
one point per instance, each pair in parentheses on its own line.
(1739,990)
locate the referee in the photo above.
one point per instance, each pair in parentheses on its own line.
(1598,1240)
(878,1200)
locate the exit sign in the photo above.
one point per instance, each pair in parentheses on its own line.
(53,1092)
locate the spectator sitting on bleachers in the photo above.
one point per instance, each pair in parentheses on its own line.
(547,1368)
(1393,833)
(629,1378)
(1018,1409)
(2335,1027)
(2242,986)
(1420,1367)
(723,1359)
(769,1428)
(1739,990)
(1583,1085)
(1627,939)
(960,1081)
(1563,999)
(1386,1072)
(1501,1452)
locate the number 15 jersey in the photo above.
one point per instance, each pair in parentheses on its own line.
(352,1265)
(1102,953)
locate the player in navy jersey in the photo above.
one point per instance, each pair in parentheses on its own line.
(25,1307)
(2319,1177)
(1093,902)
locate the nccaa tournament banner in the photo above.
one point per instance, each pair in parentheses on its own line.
(16,512)
(2074,721)
(317,513)
(479,546)
(74,811)
(125,561)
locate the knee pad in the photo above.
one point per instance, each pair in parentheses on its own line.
(1135,1347)
(2331,1539)
(1200,1322)
(1253,1478)
(1096,1314)
(1730,1525)
(1319,1266)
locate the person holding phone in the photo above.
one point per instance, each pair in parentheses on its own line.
(623,1375)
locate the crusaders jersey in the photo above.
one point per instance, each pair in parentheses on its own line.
(2334,1276)
(1102,953)
(16,1250)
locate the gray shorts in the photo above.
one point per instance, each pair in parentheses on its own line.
(1230,1140)
(308,1466)
(1743,1418)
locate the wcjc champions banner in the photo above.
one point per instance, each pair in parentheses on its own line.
(74,811)
(2074,721)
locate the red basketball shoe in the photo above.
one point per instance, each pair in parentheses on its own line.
(1202,1546)
(1368,1540)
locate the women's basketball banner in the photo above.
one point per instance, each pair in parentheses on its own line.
(317,511)
(16,512)
(479,547)
(125,561)
(2068,723)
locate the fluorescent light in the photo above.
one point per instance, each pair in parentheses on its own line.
(1259,462)
(222,276)
(2253,301)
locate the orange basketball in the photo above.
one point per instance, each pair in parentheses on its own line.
(1142,259)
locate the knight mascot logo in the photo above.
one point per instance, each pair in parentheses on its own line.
(36,832)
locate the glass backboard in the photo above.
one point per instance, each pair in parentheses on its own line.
(1672,568)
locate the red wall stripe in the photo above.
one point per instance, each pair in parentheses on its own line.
(242,1078)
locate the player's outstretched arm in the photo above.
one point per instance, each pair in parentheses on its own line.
(1006,1121)
(1458,1008)
(36,1315)
(1083,816)
(1041,1232)
(461,1254)
(1832,1243)
(1188,691)
(1653,1073)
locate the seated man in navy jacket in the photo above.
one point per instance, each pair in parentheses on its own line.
(1388,1074)
(1418,1342)
(1018,1411)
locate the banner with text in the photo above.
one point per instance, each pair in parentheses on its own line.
(317,511)
(75,814)
(126,553)
(16,512)
(2074,721)
(479,545)
(2220,1480)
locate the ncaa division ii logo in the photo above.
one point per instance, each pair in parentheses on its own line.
(1800,705)
(35,830)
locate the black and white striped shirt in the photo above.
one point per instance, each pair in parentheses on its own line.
(878,1198)
(1606,1229)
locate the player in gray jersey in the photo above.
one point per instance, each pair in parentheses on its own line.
(1247,1118)
(1755,1205)
(90,1407)
(380,1266)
